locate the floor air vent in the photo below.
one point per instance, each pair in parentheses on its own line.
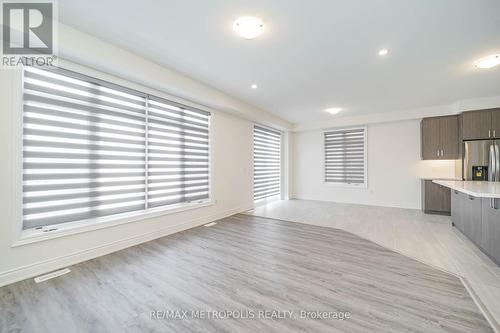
(52,275)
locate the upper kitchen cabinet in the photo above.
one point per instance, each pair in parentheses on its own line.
(449,137)
(484,124)
(495,123)
(439,138)
(430,138)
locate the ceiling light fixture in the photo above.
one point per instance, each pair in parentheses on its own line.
(383,52)
(489,61)
(248,27)
(333,110)
(253,86)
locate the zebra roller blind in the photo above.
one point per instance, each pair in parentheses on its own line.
(345,156)
(267,162)
(178,154)
(93,149)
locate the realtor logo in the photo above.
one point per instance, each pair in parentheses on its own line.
(28,33)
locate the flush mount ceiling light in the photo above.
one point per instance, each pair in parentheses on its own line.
(489,61)
(254,86)
(333,110)
(248,27)
(383,52)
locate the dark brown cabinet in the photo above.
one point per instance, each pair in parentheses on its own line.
(430,138)
(449,137)
(436,199)
(484,124)
(495,123)
(439,138)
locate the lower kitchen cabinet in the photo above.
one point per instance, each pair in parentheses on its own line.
(479,220)
(436,199)
(457,210)
(491,227)
(471,213)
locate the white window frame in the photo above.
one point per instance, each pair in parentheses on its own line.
(323,160)
(27,236)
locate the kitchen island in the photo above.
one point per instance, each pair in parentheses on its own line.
(475,211)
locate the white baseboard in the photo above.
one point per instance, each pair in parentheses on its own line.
(376,204)
(42,267)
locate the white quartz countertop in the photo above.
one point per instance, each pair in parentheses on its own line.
(439,178)
(480,189)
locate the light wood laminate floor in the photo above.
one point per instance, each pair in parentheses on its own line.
(246,263)
(428,238)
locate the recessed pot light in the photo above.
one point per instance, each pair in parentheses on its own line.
(383,52)
(254,86)
(248,27)
(333,110)
(489,61)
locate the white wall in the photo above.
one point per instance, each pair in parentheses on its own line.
(232,162)
(394,167)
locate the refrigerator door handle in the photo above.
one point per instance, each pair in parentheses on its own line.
(497,163)
(491,170)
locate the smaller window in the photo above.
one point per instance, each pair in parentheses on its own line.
(345,156)
(266,163)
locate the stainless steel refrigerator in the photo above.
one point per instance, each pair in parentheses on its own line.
(482,160)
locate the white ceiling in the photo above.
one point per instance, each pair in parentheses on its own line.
(314,54)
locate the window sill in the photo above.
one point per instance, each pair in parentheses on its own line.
(29,236)
(347,185)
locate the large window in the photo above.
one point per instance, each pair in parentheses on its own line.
(267,163)
(345,156)
(93,149)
